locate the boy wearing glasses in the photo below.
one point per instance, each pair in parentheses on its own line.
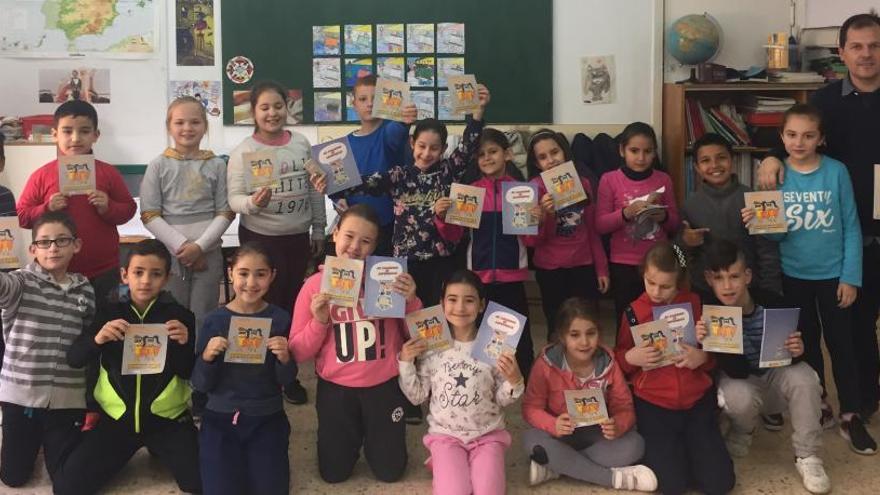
(45,309)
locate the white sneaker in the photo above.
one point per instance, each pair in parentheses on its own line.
(539,473)
(813,474)
(636,477)
(738,444)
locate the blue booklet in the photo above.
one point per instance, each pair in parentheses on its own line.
(518,201)
(380,299)
(778,325)
(680,318)
(498,334)
(337,163)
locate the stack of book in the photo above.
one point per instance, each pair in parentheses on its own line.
(766,111)
(795,77)
(721,119)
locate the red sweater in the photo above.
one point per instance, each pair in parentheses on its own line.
(100,240)
(544,399)
(669,386)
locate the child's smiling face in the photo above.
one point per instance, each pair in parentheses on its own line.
(427,149)
(492,159)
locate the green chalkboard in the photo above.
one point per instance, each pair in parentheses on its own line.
(508,46)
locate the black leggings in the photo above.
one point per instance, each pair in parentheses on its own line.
(25,430)
(560,284)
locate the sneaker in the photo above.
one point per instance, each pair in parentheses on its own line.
(859,439)
(773,422)
(637,477)
(827,418)
(738,444)
(296,394)
(813,474)
(539,473)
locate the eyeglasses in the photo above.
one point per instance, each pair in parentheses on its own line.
(60,242)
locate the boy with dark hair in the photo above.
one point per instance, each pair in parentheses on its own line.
(713,213)
(745,386)
(137,411)
(97,214)
(44,309)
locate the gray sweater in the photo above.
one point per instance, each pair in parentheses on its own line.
(720,211)
(41,319)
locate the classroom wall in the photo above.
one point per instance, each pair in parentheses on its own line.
(821,13)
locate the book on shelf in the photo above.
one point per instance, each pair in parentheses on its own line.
(722,119)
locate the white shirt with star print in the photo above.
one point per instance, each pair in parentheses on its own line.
(466,395)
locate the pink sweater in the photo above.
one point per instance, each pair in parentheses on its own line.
(616,192)
(568,238)
(353,350)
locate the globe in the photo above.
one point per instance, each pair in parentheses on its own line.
(693,39)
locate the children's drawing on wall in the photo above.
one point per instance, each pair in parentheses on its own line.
(450,37)
(420,71)
(326,73)
(328,107)
(241,103)
(389,38)
(447,67)
(195,32)
(391,67)
(207,92)
(326,40)
(424,102)
(420,38)
(598,78)
(82,83)
(358,39)
(355,68)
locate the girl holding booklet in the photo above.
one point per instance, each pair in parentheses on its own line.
(499,260)
(675,404)
(244,432)
(466,431)
(601,454)
(636,205)
(359,401)
(569,258)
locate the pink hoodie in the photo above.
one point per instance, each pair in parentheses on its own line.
(353,350)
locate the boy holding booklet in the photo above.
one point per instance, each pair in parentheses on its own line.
(745,385)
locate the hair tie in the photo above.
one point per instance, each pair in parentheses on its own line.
(679,255)
(548,132)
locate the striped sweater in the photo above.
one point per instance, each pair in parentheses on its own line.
(41,320)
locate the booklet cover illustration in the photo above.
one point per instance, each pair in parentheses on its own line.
(724,326)
(247,340)
(658,336)
(467,205)
(144,349)
(261,169)
(337,164)
(586,406)
(680,318)
(380,298)
(564,185)
(769,212)
(76,174)
(430,325)
(390,98)
(341,279)
(517,208)
(499,333)
(464,95)
(10,239)
(778,325)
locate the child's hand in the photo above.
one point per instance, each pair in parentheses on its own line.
(794,344)
(634,208)
(177,331)
(405,285)
(748,214)
(262,197)
(693,237)
(609,429)
(320,308)
(509,368)
(691,357)
(484,96)
(643,355)
(770,173)
(278,346)
(100,201)
(701,330)
(564,426)
(319,182)
(409,113)
(441,206)
(846,295)
(215,346)
(112,330)
(57,202)
(200,264)
(547,204)
(604,284)
(412,348)
(188,253)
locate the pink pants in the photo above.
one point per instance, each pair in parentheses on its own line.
(482,459)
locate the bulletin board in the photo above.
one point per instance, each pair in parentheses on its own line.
(507,45)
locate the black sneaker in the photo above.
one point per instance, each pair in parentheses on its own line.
(412,414)
(860,440)
(773,422)
(296,394)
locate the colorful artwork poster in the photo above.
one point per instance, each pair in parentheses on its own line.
(328,107)
(326,73)
(391,68)
(564,185)
(424,102)
(586,406)
(144,349)
(498,334)
(450,37)
(517,208)
(656,334)
(356,68)
(326,40)
(247,340)
(195,32)
(10,243)
(420,38)
(467,205)
(389,38)
(341,280)
(447,67)
(207,92)
(724,329)
(380,298)
(769,212)
(241,107)
(778,325)
(358,39)
(420,71)
(76,174)
(430,325)
(337,164)
(444,107)
(82,83)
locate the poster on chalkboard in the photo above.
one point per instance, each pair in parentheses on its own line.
(450,37)
(328,107)
(420,38)
(325,40)
(358,39)
(355,68)
(424,102)
(389,38)
(449,67)
(391,68)
(326,73)
(420,71)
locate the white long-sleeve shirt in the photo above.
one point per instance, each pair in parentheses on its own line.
(466,395)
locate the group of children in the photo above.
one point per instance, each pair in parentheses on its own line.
(66,312)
